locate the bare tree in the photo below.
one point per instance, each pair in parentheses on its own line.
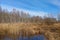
(58,17)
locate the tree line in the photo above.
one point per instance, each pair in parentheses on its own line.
(21,16)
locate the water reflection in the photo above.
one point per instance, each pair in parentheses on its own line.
(36,37)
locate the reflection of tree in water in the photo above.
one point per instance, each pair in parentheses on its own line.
(26,33)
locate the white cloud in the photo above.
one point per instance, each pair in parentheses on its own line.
(54,2)
(38,13)
(6,7)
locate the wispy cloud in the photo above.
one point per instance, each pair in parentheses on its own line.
(54,2)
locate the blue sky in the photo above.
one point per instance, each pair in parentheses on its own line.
(34,7)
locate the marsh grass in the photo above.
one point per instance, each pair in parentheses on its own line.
(15,30)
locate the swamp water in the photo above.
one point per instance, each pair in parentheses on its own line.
(36,37)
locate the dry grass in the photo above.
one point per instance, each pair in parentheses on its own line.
(14,29)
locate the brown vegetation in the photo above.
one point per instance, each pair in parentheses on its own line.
(29,29)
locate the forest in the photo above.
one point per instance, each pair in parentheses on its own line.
(16,16)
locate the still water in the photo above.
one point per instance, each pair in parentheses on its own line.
(36,37)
